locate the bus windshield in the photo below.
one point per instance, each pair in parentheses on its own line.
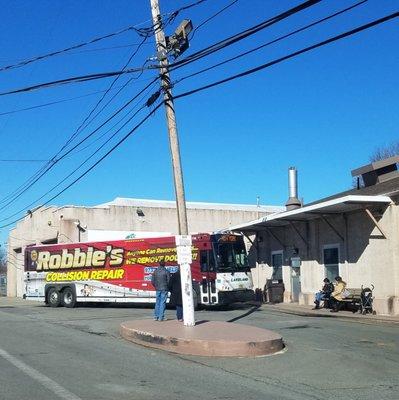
(232,257)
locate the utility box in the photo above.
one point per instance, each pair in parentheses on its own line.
(274,291)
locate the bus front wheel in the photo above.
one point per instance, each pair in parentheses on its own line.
(53,297)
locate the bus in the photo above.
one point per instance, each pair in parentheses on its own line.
(120,271)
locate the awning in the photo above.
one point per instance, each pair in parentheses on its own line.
(330,207)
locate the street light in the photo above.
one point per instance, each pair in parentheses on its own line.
(178,42)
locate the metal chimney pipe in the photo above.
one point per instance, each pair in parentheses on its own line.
(292,182)
(293,202)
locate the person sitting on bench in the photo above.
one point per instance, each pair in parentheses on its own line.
(336,295)
(324,293)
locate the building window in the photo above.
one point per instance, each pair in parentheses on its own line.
(277,265)
(331,261)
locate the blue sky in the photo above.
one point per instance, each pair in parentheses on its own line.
(323,112)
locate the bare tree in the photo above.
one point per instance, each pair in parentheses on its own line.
(387,151)
(380,153)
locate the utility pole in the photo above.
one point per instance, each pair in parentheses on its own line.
(185,269)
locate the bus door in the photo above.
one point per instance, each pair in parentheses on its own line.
(208,275)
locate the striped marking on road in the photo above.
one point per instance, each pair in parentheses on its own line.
(44,380)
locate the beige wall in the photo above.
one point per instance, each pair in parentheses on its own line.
(366,257)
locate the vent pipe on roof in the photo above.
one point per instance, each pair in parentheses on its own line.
(293,202)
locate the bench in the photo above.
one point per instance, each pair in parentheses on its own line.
(359,299)
(354,299)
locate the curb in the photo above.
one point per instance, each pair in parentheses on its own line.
(303,313)
(207,338)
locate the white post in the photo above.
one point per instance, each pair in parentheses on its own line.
(184,259)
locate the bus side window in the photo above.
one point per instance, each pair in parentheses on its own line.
(204,260)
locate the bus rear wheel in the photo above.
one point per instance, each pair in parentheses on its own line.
(53,297)
(68,298)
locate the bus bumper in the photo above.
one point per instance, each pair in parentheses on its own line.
(236,296)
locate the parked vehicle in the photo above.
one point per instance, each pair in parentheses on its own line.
(120,271)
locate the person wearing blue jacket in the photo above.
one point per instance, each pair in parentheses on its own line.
(160,280)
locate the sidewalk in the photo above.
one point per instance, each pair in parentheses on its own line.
(306,311)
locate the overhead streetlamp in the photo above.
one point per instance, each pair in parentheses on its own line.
(178,43)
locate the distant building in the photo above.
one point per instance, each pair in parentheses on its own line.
(354,234)
(118,219)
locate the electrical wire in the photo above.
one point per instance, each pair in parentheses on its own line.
(145,95)
(196,56)
(50,164)
(66,100)
(174,14)
(23,188)
(291,55)
(114,96)
(271,42)
(74,79)
(74,47)
(78,130)
(211,18)
(144,32)
(123,139)
(16,160)
(229,41)
(253,70)
(75,170)
(54,159)
(243,35)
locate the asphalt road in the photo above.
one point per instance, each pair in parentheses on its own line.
(78,354)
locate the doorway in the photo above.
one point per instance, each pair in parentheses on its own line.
(331,261)
(277,265)
(295,281)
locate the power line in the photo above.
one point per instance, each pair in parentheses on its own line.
(74,79)
(97,49)
(271,42)
(294,54)
(94,165)
(77,131)
(210,49)
(144,32)
(253,70)
(51,103)
(77,46)
(54,160)
(24,187)
(243,35)
(30,161)
(145,95)
(212,17)
(76,169)
(200,54)
(174,14)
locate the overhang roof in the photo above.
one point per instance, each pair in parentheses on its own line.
(335,206)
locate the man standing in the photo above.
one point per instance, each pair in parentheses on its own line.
(160,280)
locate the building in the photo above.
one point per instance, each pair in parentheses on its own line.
(353,234)
(118,219)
